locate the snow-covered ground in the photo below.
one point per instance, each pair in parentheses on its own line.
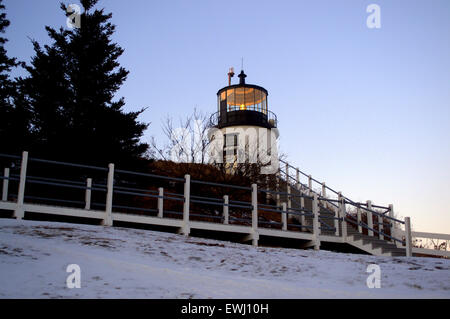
(129,263)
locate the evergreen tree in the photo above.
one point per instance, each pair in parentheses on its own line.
(5,63)
(71,90)
(14,119)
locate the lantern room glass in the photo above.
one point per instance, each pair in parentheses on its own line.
(244,98)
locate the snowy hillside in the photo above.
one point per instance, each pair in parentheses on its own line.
(129,263)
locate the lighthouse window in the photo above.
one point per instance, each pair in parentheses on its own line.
(230,140)
(230,100)
(258,100)
(264,105)
(239,102)
(243,99)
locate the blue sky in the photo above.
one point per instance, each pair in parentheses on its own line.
(366,110)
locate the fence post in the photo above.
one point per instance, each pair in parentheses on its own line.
(302,217)
(316,229)
(287,172)
(358,215)
(309,185)
(336,220)
(408,237)
(284,217)
(392,222)
(109,196)
(87,196)
(380,226)
(5,185)
(226,215)
(297,178)
(19,213)
(289,199)
(369,218)
(160,202)
(324,195)
(278,189)
(343,213)
(255,236)
(187,197)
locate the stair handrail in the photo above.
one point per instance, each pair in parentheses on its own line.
(364,225)
(348,200)
(375,212)
(322,197)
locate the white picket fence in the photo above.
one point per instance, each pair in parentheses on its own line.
(409,235)
(311,238)
(440,238)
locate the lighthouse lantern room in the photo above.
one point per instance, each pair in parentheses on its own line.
(242,118)
(243,104)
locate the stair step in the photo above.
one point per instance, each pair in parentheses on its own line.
(368,239)
(397,250)
(369,243)
(376,243)
(398,254)
(391,249)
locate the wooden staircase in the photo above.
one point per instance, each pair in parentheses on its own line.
(369,244)
(372,245)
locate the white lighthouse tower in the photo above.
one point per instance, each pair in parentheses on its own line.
(243,129)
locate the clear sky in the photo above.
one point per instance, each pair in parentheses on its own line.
(365,110)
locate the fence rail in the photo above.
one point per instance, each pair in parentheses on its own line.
(384,220)
(111,193)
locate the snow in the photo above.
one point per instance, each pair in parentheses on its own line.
(128,263)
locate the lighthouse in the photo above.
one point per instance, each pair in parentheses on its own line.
(243,129)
